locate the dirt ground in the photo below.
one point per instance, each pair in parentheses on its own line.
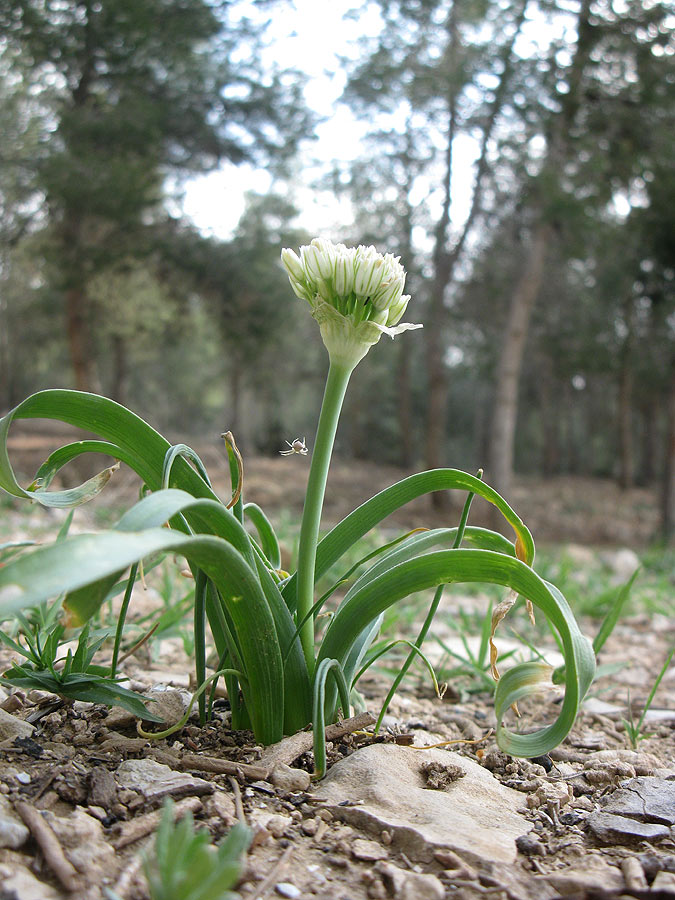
(561,509)
(77,764)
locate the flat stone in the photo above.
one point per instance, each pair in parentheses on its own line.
(17,881)
(609,829)
(82,838)
(278,825)
(13,833)
(102,788)
(11,727)
(643,763)
(664,881)
(169,704)
(286,889)
(474,816)
(368,851)
(154,780)
(417,886)
(644,798)
(656,716)
(622,562)
(287,779)
(600,707)
(221,805)
(595,874)
(119,718)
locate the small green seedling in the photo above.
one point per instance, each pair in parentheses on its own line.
(186,866)
(73,676)
(634,729)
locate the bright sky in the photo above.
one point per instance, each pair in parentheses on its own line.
(215,201)
(311,35)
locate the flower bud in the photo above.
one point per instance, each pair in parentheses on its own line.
(356,295)
(292,264)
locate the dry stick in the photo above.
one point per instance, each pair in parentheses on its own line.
(53,853)
(288,749)
(455,741)
(195,762)
(138,828)
(274,874)
(128,876)
(348,726)
(139,643)
(238,805)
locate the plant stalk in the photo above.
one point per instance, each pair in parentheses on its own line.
(336,386)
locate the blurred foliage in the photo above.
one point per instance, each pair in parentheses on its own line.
(102,115)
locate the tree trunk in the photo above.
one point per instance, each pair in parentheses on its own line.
(404,405)
(550,419)
(6,401)
(668,491)
(118,388)
(649,412)
(403,369)
(445,262)
(625,416)
(511,358)
(235,400)
(526,289)
(625,401)
(78,337)
(437,392)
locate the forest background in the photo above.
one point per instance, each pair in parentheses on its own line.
(546,294)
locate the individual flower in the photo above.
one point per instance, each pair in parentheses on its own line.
(356,295)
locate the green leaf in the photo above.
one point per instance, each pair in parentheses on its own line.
(128,437)
(458,566)
(373,511)
(81,559)
(268,539)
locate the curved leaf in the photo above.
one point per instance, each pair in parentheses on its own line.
(77,561)
(424,542)
(444,567)
(137,444)
(268,539)
(373,511)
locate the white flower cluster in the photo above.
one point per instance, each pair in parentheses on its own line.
(356,294)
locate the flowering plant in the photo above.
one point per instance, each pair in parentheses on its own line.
(261,619)
(356,295)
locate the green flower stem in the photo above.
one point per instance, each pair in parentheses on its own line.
(336,386)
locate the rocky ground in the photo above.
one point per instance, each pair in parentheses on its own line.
(430,808)
(79,794)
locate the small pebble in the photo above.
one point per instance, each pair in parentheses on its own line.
(278,825)
(368,851)
(310,826)
(287,779)
(422,887)
(571,818)
(529,845)
(286,889)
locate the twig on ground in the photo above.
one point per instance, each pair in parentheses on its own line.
(274,874)
(53,853)
(138,828)
(197,763)
(289,749)
(128,876)
(238,804)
